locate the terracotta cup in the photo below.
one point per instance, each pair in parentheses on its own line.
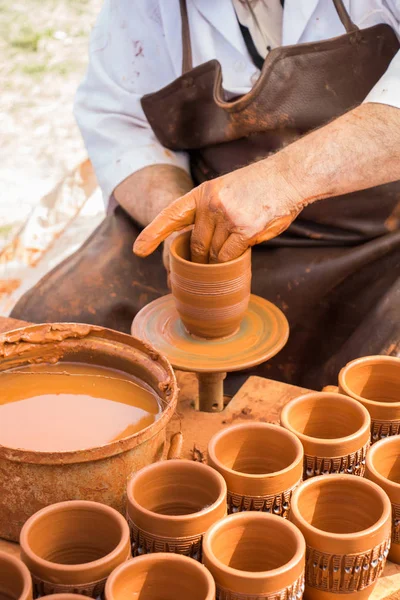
(254,554)
(346,523)
(15,579)
(334,431)
(162,575)
(261,463)
(383,467)
(171,504)
(74,546)
(211,299)
(375,382)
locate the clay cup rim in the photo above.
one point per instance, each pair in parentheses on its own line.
(158,558)
(82,568)
(193,518)
(201,266)
(23,570)
(360,432)
(365,360)
(248,517)
(259,426)
(339,478)
(371,461)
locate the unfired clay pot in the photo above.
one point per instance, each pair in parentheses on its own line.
(346,522)
(15,579)
(261,463)
(254,554)
(375,382)
(334,431)
(162,575)
(383,467)
(211,299)
(171,504)
(74,546)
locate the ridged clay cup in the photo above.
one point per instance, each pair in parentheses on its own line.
(334,431)
(261,463)
(375,382)
(161,575)
(211,299)
(171,504)
(73,547)
(383,467)
(346,522)
(255,554)
(15,579)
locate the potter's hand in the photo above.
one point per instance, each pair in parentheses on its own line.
(229,214)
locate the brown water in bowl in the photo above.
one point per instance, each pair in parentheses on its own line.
(72,406)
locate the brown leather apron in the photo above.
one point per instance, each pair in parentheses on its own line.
(336,271)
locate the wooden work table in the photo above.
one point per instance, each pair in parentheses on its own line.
(260,400)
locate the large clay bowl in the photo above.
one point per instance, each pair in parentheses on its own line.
(334,431)
(171,504)
(346,522)
(211,299)
(375,382)
(74,546)
(383,467)
(254,554)
(15,579)
(163,575)
(261,463)
(96,474)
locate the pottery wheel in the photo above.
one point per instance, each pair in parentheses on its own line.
(263,333)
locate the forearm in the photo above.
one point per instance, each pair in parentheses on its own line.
(360,149)
(145,193)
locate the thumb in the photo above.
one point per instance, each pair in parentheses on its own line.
(175,217)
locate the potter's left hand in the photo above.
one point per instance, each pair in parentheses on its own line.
(230,213)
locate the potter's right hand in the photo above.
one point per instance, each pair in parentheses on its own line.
(229,214)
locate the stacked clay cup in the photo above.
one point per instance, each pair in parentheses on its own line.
(171,504)
(334,430)
(261,463)
(15,579)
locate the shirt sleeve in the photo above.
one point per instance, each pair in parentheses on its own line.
(387,90)
(128,58)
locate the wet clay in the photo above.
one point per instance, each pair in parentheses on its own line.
(383,467)
(375,382)
(346,524)
(161,576)
(15,580)
(254,553)
(171,504)
(74,546)
(261,463)
(211,299)
(334,431)
(70,406)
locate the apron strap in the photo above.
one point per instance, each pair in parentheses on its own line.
(187,62)
(344,16)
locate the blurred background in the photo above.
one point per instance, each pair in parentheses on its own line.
(48,194)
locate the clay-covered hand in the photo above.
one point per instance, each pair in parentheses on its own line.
(229,214)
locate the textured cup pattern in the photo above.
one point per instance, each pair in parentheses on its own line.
(343,574)
(351,464)
(211,288)
(94,589)
(292,592)
(147,543)
(383,429)
(275,504)
(395,523)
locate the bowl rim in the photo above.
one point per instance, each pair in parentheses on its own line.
(202,266)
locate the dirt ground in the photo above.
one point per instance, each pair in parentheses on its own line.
(43,56)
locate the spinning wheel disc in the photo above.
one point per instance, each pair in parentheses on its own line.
(263,333)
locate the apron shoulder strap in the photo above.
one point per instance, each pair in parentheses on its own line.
(344,16)
(187,62)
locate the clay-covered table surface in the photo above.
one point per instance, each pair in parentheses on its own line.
(260,400)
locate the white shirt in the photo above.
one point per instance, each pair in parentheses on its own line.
(136,49)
